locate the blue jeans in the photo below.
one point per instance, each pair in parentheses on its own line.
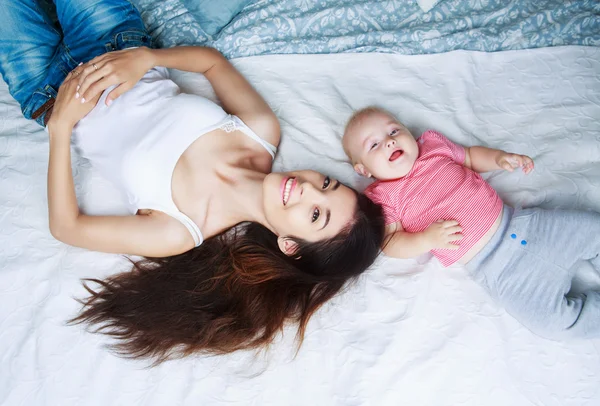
(529,264)
(37,54)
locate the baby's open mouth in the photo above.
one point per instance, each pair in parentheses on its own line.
(396,154)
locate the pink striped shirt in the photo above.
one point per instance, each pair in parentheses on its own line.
(439,187)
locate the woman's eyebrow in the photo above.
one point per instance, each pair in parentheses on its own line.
(328,213)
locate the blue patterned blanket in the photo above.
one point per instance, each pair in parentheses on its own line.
(400,26)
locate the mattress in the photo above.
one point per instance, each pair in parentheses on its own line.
(408,331)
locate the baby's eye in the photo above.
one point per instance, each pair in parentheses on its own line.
(394,132)
(374,145)
(326,182)
(315,215)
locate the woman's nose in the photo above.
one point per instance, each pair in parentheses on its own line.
(309,190)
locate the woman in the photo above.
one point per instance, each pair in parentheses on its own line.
(192,171)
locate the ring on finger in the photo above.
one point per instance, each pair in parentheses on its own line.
(95,67)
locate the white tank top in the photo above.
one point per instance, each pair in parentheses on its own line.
(137,141)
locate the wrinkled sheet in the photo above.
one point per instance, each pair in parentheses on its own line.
(409,331)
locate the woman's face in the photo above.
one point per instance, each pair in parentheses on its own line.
(307,205)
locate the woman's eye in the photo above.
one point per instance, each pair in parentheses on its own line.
(374,145)
(326,182)
(315,215)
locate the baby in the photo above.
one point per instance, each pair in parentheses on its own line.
(435,200)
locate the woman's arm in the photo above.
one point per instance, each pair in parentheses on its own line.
(127,67)
(62,203)
(148,235)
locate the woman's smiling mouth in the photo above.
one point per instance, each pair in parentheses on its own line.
(287,186)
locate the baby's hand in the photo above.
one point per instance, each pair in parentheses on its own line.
(442,233)
(509,162)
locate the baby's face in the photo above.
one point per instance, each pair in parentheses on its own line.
(381,147)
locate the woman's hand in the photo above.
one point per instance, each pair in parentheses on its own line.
(67,111)
(123,68)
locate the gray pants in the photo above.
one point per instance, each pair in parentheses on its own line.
(528,267)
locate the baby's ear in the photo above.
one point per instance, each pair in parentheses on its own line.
(361,170)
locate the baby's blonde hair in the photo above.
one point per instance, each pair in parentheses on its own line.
(355,118)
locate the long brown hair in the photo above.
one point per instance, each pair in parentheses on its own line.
(235,291)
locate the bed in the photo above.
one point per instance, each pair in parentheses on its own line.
(408,331)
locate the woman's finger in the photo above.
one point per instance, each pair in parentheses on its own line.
(77,70)
(88,88)
(91,67)
(69,79)
(72,73)
(94,65)
(117,91)
(99,59)
(90,75)
(96,88)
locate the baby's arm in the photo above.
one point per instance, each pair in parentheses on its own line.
(482,159)
(440,235)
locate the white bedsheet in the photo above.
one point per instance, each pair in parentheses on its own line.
(409,332)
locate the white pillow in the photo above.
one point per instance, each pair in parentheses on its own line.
(427,5)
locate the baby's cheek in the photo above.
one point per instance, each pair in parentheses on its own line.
(374,165)
(382,172)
